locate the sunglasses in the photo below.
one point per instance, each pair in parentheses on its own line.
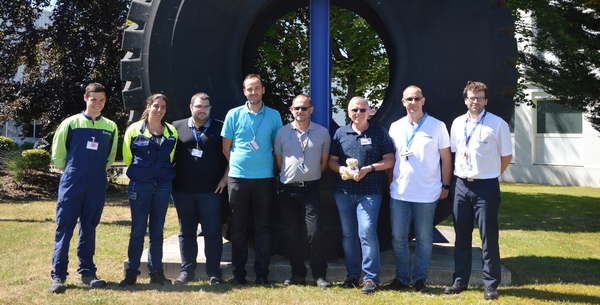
(301,108)
(363,110)
(410,99)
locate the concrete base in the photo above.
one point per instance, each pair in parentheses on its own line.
(440,271)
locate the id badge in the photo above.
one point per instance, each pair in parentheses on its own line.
(365,141)
(406,153)
(253,145)
(464,161)
(303,168)
(92,145)
(197,153)
(132,195)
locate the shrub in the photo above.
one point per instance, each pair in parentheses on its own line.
(7,145)
(38,159)
(26,146)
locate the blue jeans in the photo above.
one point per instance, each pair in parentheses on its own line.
(206,209)
(402,213)
(358,216)
(151,202)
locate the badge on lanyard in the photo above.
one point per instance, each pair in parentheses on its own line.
(92,145)
(303,168)
(253,145)
(406,153)
(197,153)
(365,141)
(464,161)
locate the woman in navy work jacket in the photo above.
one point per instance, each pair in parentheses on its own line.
(148,150)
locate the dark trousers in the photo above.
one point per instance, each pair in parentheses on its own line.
(204,208)
(301,206)
(480,201)
(241,192)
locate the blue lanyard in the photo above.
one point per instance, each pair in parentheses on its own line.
(409,141)
(261,119)
(468,138)
(198,138)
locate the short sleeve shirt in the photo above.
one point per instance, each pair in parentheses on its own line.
(242,126)
(288,145)
(347,143)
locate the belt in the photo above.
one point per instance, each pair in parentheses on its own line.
(473,179)
(301,183)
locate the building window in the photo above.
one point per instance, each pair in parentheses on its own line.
(555,118)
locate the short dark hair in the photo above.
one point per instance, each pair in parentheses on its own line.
(251,76)
(304,95)
(200,95)
(476,87)
(94,87)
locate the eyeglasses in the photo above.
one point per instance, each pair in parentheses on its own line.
(476,98)
(205,107)
(301,108)
(410,99)
(363,110)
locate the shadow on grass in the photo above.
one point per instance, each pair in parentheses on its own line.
(191,287)
(549,212)
(28,220)
(535,294)
(527,270)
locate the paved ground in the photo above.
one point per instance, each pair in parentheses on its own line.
(440,271)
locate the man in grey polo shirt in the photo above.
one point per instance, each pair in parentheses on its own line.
(301,151)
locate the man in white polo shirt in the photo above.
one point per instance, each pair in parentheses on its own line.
(419,181)
(483,148)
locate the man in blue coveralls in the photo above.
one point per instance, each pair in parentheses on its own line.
(84,147)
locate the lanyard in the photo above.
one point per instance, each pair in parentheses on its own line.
(198,138)
(409,141)
(468,138)
(261,119)
(303,144)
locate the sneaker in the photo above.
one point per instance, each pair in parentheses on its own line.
(419,286)
(323,283)
(214,281)
(369,287)
(238,281)
(490,293)
(92,281)
(130,279)
(58,285)
(456,288)
(396,284)
(159,278)
(351,282)
(294,280)
(182,279)
(261,280)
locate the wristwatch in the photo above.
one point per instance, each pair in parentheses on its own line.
(446,186)
(372,168)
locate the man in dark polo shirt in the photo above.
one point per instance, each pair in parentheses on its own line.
(201,177)
(301,151)
(358,200)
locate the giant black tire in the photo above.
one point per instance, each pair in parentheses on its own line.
(182,47)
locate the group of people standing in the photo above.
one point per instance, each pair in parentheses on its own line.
(194,159)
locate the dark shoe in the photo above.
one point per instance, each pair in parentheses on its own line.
(369,287)
(93,281)
(396,284)
(58,285)
(214,280)
(323,283)
(182,279)
(351,282)
(238,281)
(159,278)
(490,293)
(294,280)
(261,280)
(419,286)
(456,288)
(130,279)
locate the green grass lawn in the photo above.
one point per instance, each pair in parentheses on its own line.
(549,239)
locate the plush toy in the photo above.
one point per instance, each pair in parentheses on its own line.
(351,170)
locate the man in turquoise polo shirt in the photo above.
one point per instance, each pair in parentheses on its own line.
(248,135)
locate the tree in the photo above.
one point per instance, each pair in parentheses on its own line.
(562,53)
(359,60)
(81,45)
